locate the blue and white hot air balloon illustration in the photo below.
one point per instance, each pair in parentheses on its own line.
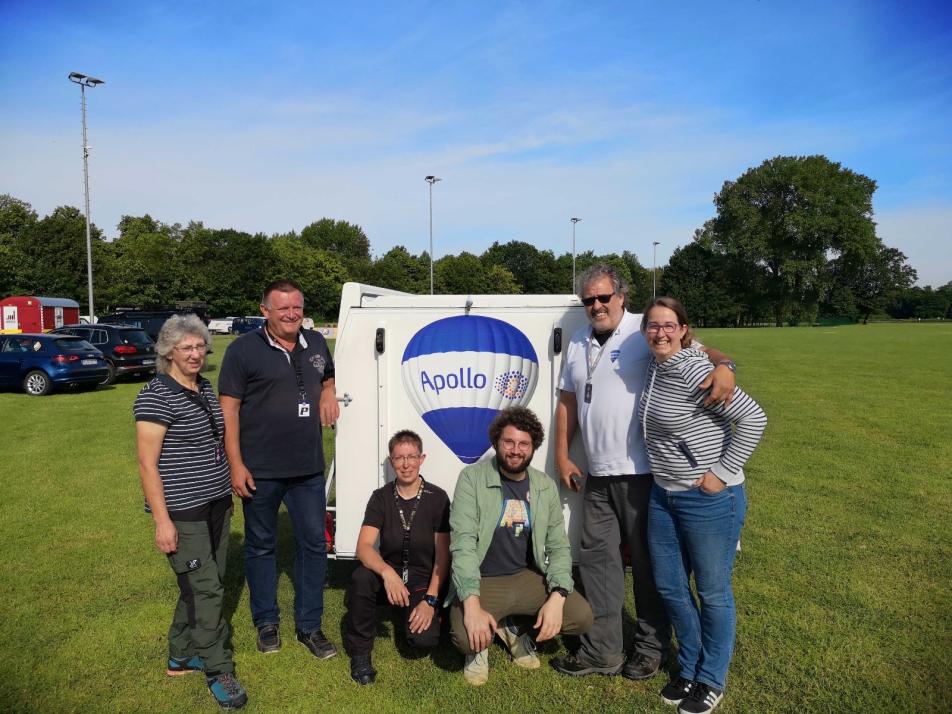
(460,371)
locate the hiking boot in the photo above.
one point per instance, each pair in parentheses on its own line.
(269,638)
(677,690)
(702,699)
(476,669)
(362,670)
(227,692)
(186,665)
(641,666)
(521,647)
(320,646)
(575,667)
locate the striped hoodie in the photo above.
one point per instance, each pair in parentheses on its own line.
(684,438)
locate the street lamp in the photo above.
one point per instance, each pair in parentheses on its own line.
(431,180)
(86,81)
(574,221)
(654,271)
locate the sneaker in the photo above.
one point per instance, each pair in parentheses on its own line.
(177,667)
(677,690)
(702,699)
(269,638)
(227,692)
(362,670)
(476,669)
(575,667)
(641,666)
(320,646)
(521,647)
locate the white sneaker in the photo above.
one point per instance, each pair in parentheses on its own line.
(476,669)
(521,647)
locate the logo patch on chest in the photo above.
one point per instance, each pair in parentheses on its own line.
(318,362)
(613,355)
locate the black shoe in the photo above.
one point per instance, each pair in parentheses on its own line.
(641,666)
(573,666)
(677,690)
(320,646)
(702,699)
(361,669)
(269,638)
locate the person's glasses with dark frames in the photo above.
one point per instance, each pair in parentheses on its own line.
(603,299)
(667,327)
(411,459)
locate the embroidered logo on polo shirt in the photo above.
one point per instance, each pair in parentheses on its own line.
(613,355)
(318,362)
(194,564)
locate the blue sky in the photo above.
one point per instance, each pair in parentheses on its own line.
(266,116)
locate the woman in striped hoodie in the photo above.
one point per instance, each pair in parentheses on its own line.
(697,506)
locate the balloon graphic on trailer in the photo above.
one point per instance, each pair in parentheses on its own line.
(460,371)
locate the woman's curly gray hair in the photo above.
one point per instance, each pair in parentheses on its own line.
(172,332)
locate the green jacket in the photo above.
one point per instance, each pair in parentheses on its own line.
(474,514)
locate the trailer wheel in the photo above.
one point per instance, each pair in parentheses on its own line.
(37,384)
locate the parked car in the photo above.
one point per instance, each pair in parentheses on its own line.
(220,326)
(127,349)
(40,362)
(241,325)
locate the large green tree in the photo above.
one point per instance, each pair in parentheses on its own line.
(533,269)
(786,219)
(345,240)
(398,269)
(17,218)
(859,291)
(320,273)
(698,277)
(464,274)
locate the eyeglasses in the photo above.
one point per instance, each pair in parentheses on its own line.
(187,349)
(512,444)
(603,299)
(667,327)
(402,460)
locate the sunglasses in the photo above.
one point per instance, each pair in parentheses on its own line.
(603,299)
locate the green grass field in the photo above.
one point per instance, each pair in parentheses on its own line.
(842,585)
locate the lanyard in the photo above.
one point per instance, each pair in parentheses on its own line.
(201,401)
(591,366)
(294,360)
(407,525)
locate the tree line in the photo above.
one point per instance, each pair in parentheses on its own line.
(793,241)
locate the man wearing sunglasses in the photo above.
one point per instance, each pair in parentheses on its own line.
(600,387)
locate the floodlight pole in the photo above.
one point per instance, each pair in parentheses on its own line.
(431,180)
(574,221)
(654,271)
(85,81)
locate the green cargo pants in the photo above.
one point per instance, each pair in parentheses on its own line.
(198,627)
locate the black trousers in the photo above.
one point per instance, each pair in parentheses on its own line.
(365,593)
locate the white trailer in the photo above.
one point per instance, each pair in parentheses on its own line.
(442,365)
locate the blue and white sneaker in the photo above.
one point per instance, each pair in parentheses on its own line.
(227,691)
(187,665)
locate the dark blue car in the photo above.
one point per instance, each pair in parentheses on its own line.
(40,362)
(241,325)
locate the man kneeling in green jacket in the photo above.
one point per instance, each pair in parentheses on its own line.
(510,553)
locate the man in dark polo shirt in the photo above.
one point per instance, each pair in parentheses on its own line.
(276,389)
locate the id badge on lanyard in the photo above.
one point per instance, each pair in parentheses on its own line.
(304,409)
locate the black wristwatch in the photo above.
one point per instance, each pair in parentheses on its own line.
(729,363)
(432,600)
(561,591)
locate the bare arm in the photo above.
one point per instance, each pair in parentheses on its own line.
(242,482)
(422,614)
(566,423)
(721,381)
(149,438)
(328,407)
(369,556)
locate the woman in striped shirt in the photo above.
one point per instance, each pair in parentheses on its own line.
(697,506)
(187,485)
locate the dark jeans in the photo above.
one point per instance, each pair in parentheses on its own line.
(198,627)
(365,593)
(305,501)
(696,532)
(616,512)
(521,594)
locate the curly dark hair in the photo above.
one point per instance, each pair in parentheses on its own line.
(405,436)
(523,419)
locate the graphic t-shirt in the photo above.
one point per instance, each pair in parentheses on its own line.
(511,547)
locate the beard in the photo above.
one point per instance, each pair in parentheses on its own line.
(515,465)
